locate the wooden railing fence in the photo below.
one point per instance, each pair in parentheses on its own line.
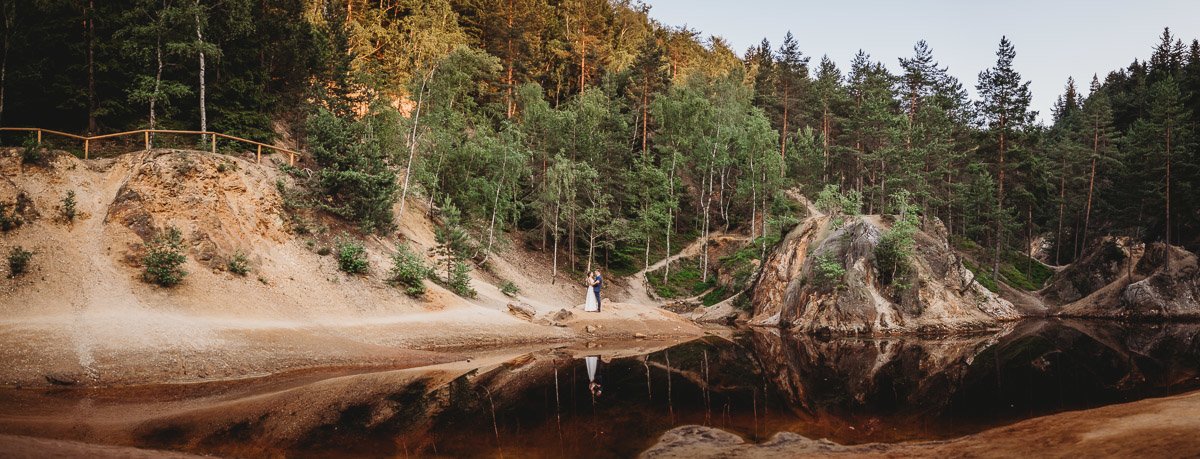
(209,136)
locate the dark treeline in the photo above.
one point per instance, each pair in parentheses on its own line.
(605,136)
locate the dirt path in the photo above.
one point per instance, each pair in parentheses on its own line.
(639,292)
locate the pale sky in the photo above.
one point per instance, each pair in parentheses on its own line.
(1054,39)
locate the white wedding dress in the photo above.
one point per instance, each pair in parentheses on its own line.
(590,304)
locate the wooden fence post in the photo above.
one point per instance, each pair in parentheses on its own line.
(39,137)
(147,139)
(86,144)
(291,159)
(258,157)
(214,143)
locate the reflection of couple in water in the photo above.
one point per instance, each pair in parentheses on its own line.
(594,376)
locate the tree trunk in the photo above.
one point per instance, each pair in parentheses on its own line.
(158,56)
(645,113)
(10,11)
(495,210)
(591,246)
(412,144)
(1062,202)
(707,208)
(783,134)
(670,215)
(999,208)
(91,66)
(1087,219)
(582,57)
(825,144)
(200,42)
(1167,263)
(554,269)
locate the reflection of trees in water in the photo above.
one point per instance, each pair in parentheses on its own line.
(539,404)
(1032,368)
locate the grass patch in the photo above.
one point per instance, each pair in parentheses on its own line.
(1016,269)
(982,276)
(1024,272)
(682,282)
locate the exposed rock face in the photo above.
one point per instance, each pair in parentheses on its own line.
(938,296)
(1099,267)
(1148,289)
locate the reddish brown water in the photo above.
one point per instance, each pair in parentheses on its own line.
(541,404)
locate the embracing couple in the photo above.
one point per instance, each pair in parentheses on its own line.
(593,281)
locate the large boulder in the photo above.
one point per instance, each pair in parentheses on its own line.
(939,295)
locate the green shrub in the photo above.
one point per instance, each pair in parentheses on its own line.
(460,280)
(18,261)
(352,257)
(32,153)
(896,246)
(508,288)
(68,206)
(164,259)
(828,271)
(833,202)
(409,271)
(238,264)
(9,221)
(354,172)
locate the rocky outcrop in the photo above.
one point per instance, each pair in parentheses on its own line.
(1108,261)
(938,295)
(1146,287)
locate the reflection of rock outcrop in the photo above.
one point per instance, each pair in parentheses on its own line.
(1110,283)
(853,375)
(938,296)
(1037,366)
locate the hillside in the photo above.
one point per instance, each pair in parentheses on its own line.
(83,314)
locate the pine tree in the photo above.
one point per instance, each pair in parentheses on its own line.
(791,78)
(1004,109)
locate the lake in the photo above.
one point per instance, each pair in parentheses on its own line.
(615,400)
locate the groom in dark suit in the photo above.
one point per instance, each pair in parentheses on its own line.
(599,280)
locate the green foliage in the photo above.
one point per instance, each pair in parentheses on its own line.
(164,259)
(10,221)
(409,271)
(460,280)
(1021,271)
(895,249)
(239,264)
(452,247)
(32,153)
(683,280)
(18,261)
(509,289)
(982,276)
(828,271)
(68,206)
(833,202)
(355,180)
(351,256)
(716,295)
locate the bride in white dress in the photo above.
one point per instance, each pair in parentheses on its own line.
(590,304)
